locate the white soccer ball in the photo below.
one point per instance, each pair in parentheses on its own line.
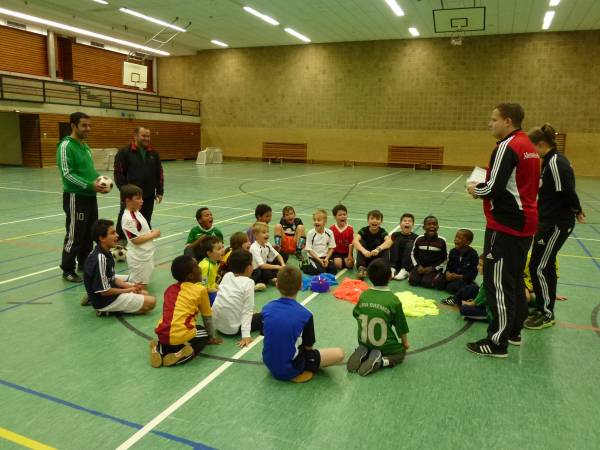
(119,253)
(105,183)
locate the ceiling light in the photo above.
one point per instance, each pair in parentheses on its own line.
(260,15)
(395,7)
(413,31)
(548,19)
(219,43)
(80,31)
(151,19)
(102,2)
(554,2)
(296,34)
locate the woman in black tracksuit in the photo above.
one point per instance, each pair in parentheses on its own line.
(558,207)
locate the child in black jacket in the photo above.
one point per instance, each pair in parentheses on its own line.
(428,255)
(461,269)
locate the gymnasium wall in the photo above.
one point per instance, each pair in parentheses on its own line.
(10,152)
(23,52)
(173,140)
(349,101)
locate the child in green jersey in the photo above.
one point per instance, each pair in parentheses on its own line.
(378,312)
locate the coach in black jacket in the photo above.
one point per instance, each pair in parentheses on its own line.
(138,163)
(558,207)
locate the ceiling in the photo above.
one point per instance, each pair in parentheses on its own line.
(320,20)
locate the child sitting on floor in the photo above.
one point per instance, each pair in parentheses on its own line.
(233,309)
(344,235)
(237,241)
(212,247)
(461,269)
(429,254)
(266,261)
(470,299)
(378,312)
(107,292)
(179,338)
(371,242)
(320,243)
(264,214)
(402,246)
(289,234)
(193,248)
(285,323)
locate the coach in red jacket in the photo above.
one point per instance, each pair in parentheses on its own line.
(509,196)
(138,163)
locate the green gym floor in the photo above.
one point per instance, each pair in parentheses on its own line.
(71,380)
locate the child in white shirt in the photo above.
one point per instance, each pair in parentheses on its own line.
(266,261)
(320,244)
(233,309)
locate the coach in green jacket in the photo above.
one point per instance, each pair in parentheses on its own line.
(76,166)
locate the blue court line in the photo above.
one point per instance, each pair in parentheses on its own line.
(64,289)
(587,252)
(172,437)
(579,285)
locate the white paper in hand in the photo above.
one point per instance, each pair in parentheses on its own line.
(477,176)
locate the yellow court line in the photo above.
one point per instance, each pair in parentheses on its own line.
(14,238)
(22,440)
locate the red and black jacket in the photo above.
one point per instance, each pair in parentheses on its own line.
(131,168)
(511,187)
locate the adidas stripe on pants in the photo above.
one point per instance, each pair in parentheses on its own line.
(504,258)
(542,265)
(81,212)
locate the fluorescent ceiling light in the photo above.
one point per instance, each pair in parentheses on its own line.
(80,31)
(102,2)
(413,31)
(554,2)
(395,7)
(151,19)
(260,15)
(548,19)
(219,43)
(296,34)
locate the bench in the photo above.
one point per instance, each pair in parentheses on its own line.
(416,157)
(280,151)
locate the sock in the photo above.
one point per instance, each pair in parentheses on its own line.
(278,240)
(300,243)
(385,362)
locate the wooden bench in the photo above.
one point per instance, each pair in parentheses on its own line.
(416,156)
(280,151)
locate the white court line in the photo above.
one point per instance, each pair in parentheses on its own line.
(377,178)
(306,175)
(482,229)
(201,385)
(29,190)
(158,239)
(29,275)
(457,178)
(47,217)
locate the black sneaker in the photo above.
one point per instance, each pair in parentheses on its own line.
(515,340)
(72,277)
(357,358)
(485,347)
(450,301)
(372,364)
(539,322)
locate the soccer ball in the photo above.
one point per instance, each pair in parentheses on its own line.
(105,183)
(119,253)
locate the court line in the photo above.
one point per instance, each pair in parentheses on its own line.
(158,239)
(60,401)
(23,441)
(47,217)
(457,178)
(201,385)
(376,178)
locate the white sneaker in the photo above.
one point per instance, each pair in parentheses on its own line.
(401,275)
(260,287)
(393,269)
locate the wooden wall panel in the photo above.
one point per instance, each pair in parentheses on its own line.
(29,125)
(173,140)
(99,66)
(23,52)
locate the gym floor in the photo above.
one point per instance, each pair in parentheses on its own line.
(71,380)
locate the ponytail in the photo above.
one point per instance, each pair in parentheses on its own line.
(546,134)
